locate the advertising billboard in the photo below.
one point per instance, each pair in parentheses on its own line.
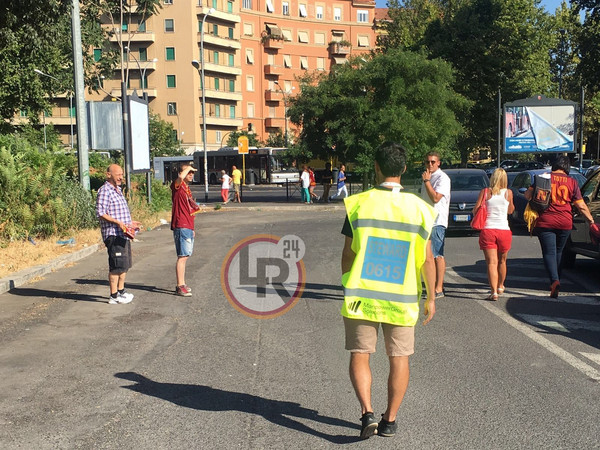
(540,125)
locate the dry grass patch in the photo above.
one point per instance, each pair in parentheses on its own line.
(16,256)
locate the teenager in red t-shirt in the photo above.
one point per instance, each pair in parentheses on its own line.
(182,224)
(553,226)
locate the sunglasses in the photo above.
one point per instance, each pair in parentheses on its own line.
(430,162)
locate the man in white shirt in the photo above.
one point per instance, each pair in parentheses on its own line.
(436,190)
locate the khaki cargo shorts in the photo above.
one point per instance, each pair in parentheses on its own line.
(361,337)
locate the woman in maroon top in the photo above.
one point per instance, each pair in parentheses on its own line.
(553,226)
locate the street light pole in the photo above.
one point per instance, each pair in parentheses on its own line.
(285,118)
(200,68)
(39,72)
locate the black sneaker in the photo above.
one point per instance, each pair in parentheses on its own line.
(385,428)
(369,425)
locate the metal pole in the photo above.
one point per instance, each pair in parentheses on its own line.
(499,127)
(202,81)
(71,117)
(45,140)
(82,121)
(581,128)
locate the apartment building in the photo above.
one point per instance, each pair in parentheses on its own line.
(254,52)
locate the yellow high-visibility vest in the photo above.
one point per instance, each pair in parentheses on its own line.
(390,234)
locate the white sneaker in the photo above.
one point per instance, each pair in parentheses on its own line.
(127,296)
(121,299)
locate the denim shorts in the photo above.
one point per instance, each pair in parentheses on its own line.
(438,234)
(184,241)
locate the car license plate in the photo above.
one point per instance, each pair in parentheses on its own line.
(462,217)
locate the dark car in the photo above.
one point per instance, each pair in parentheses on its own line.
(580,242)
(465,187)
(519,186)
(528,165)
(521,183)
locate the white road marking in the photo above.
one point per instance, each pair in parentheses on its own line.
(562,324)
(593,356)
(578,364)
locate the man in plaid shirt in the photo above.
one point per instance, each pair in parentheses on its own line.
(113,212)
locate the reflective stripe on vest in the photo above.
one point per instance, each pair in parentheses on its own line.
(390,233)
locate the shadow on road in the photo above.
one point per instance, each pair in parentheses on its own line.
(129,286)
(75,296)
(314,291)
(206,398)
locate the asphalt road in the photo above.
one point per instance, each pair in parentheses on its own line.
(167,372)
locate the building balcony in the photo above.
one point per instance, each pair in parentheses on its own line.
(337,48)
(145,36)
(60,120)
(219,41)
(235,96)
(222,15)
(116,92)
(272,43)
(133,65)
(275,122)
(363,3)
(273,96)
(272,69)
(218,68)
(224,121)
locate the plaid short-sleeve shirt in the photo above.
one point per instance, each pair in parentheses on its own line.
(111,201)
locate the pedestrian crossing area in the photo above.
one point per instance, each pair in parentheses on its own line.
(545,320)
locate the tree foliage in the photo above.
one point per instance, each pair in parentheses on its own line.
(494,45)
(253,141)
(399,95)
(163,138)
(36,34)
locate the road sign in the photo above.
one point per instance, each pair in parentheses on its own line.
(243,145)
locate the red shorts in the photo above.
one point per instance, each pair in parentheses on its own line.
(490,238)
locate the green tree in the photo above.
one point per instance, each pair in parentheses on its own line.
(253,141)
(408,21)
(276,139)
(163,138)
(36,34)
(494,45)
(589,43)
(566,32)
(400,96)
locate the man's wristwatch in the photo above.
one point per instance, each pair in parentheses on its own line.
(425,181)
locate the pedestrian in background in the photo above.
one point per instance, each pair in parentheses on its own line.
(553,226)
(436,191)
(225,182)
(311,188)
(236,176)
(386,252)
(305,184)
(117,228)
(182,223)
(341,184)
(495,239)
(326,179)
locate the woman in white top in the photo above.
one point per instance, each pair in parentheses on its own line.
(495,238)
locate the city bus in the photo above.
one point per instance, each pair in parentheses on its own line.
(263,165)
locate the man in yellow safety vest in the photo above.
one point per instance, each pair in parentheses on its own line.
(386,252)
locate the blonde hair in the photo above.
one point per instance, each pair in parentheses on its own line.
(498,180)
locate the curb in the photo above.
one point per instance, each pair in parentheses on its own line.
(24,276)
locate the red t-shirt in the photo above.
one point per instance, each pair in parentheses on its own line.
(565,191)
(180,213)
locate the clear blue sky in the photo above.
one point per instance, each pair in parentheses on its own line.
(549,5)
